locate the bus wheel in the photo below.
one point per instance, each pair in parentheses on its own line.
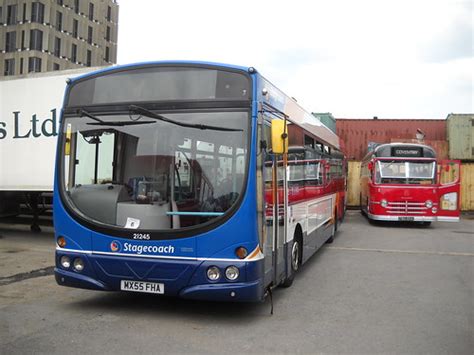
(295,261)
(361,207)
(333,233)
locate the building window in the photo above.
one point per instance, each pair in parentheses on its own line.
(21,65)
(59,20)
(10,41)
(57,47)
(76,6)
(74,53)
(11,14)
(75,25)
(89,35)
(60,2)
(56,66)
(37,12)
(109,13)
(9,67)
(89,59)
(34,64)
(1,15)
(22,40)
(107,35)
(24,13)
(91,11)
(107,54)
(36,40)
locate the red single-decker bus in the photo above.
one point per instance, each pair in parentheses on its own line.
(405,182)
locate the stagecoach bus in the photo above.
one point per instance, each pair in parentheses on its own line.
(405,182)
(190,179)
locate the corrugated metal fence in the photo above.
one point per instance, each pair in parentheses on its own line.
(467,185)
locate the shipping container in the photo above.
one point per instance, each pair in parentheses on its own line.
(357,133)
(326,119)
(460,135)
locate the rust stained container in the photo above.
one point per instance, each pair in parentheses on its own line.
(357,133)
(460,131)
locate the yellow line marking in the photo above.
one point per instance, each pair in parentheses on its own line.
(396,251)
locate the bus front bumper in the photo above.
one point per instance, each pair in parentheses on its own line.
(180,279)
(405,218)
(235,292)
(73,279)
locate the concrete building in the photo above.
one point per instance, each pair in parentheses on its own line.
(46,35)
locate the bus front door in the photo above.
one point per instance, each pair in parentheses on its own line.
(275,210)
(449,188)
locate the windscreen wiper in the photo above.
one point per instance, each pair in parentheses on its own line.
(100,122)
(144,112)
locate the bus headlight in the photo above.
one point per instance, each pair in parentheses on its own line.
(78,264)
(449,201)
(429,203)
(232,273)
(384,203)
(213,273)
(65,262)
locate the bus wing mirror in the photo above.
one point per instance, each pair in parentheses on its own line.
(279,137)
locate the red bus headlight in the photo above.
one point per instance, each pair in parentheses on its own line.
(384,203)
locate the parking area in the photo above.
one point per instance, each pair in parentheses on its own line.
(377,288)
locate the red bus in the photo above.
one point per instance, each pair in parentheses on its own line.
(405,182)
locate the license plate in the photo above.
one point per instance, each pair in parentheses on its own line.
(406,218)
(142,286)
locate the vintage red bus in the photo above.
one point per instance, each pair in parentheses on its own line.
(405,182)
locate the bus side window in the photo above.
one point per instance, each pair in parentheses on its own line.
(312,168)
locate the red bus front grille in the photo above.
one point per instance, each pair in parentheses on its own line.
(405,207)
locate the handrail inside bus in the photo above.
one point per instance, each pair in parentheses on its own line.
(195,213)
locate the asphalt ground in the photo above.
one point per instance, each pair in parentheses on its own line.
(380,288)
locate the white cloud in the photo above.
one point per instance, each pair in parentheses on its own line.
(353,58)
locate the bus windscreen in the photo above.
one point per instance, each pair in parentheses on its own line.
(405,172)
(155,174)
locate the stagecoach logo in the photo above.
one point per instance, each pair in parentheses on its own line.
(115,246)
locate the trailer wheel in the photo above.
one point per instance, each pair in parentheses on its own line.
(35,228)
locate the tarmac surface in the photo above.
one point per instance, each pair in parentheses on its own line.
(380,288)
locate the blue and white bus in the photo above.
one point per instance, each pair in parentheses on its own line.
(170,175)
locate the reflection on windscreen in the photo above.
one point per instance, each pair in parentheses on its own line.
(405,172)
(159,175)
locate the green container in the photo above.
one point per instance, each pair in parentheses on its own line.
(460,133)
(326,119)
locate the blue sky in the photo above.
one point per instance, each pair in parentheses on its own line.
(356,59)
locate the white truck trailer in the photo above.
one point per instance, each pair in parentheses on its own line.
(30,109)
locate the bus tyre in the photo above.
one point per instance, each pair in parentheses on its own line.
(361,207)
(333,233)
(295,262)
